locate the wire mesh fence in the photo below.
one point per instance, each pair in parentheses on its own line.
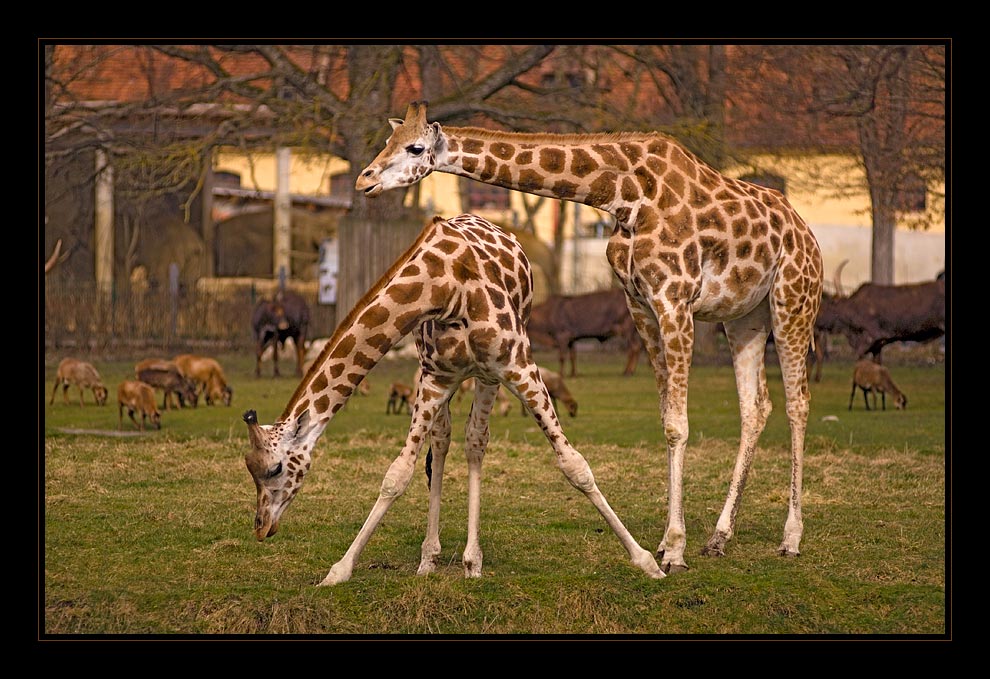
(82,316)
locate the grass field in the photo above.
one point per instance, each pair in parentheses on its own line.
(150,534)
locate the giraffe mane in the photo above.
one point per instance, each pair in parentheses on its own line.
(552,138)
(351,318)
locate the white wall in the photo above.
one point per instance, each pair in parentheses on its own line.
(918,256)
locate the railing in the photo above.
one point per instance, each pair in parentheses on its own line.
(78,315)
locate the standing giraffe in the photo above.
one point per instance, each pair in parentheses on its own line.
(689,243)
(465,288)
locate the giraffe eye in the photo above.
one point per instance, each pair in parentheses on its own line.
(415,149)
(274,471)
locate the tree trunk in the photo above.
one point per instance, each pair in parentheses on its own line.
(882,261)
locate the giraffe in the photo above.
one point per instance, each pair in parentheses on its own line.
(689,243)
(464,288)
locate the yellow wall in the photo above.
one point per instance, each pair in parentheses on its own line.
(308,174)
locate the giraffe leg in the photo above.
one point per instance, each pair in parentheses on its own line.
(792,327)
(396,480)
(677,342)
(476,435)
(533,392)
(649,330)
(439,445)
(747,340)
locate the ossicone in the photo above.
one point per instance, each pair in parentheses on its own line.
(251,417)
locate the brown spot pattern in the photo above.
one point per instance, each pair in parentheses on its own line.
(552,160)
(530,180)
(582,164)
(477,305)
(319,383)
(502,150)
(611,157)
(648,182)
(489,170)
(602,190)
(565,189)
(465,268)
(692,260)
(344,347)
(628,190)
(374,316)
(435,265)
(405,293)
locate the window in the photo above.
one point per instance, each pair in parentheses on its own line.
(911,194)
(771,181)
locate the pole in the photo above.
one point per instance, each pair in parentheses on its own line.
(104,223)
(283,205)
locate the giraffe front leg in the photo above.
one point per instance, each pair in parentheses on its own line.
(396,480)
(437,456)
(676,328)
(578,472)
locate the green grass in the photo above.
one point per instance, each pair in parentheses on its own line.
(151,533)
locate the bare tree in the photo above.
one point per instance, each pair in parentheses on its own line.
(321,99)
(885,102)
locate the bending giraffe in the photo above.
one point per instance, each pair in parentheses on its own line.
(465,289)
(689,243)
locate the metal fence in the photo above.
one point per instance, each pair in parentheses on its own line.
(80,316)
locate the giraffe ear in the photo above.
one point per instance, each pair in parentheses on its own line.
(438,140)
(395,122)
(302,425)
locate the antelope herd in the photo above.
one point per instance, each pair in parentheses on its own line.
(182,381)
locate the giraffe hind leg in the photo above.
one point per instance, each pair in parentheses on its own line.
(792,330)
(476,442)
(435,459)
(747,339)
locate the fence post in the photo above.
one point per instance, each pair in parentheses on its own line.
(173,301)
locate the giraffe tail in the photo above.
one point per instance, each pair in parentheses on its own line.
(429,467)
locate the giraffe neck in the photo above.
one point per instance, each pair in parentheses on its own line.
(381,318)
(605,171)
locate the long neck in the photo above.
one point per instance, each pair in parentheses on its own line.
(606,171)
(382,317)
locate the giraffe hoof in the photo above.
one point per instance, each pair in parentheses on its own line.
(784,551)
(712,550)
(671,568)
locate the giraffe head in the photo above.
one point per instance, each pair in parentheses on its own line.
(410,153)
(278,459)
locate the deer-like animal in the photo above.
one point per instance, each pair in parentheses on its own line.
(137,397)
(83,375)
(874,378)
